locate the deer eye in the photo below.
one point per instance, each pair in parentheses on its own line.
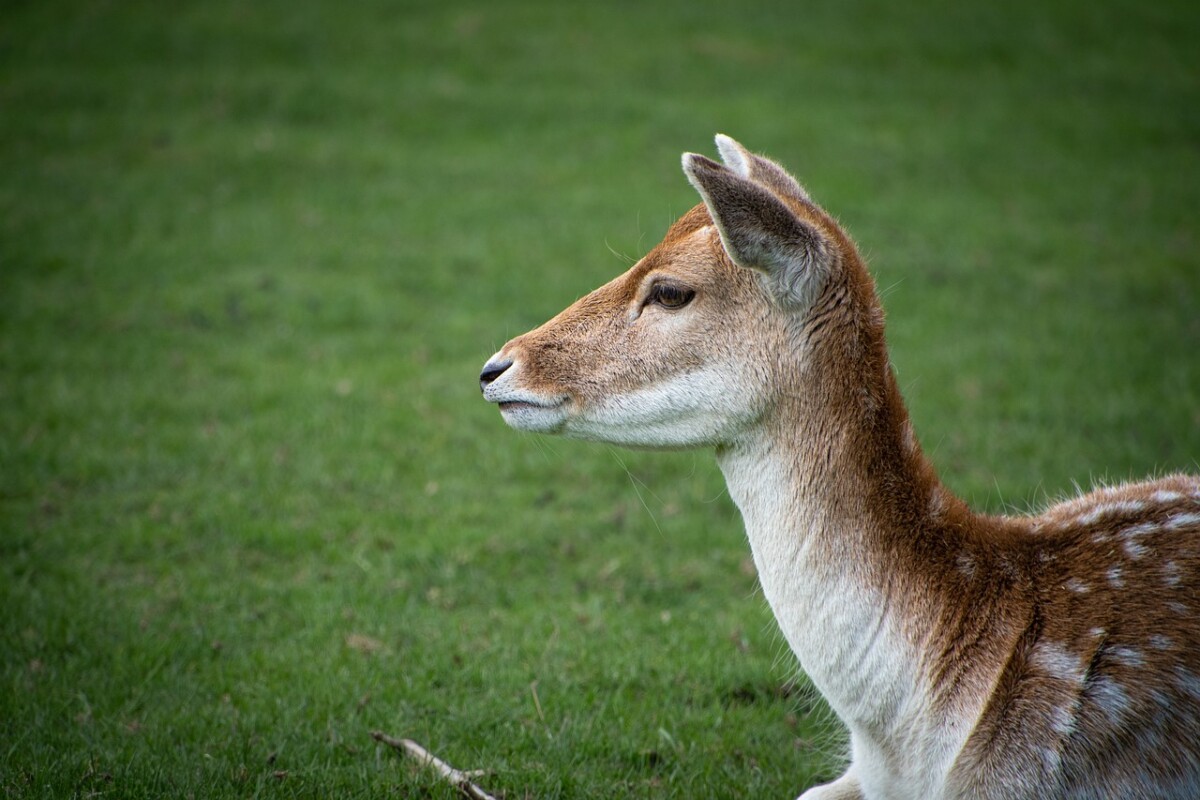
(669,295)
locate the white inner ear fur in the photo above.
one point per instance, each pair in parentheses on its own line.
(733,154)
(798,281)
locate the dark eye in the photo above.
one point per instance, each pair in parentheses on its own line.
(668,295)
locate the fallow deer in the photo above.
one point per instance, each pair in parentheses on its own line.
(970,656)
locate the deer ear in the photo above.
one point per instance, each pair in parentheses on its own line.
(760,232)
(759,169)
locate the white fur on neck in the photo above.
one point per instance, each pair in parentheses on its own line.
(835,616)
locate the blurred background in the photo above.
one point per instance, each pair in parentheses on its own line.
(252,256)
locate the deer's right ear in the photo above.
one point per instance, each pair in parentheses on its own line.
(759,169)
(760,232)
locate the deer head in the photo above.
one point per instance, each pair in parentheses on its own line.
(702,337)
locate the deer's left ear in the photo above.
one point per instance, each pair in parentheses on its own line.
(759,231)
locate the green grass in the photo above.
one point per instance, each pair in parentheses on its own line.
(253,255)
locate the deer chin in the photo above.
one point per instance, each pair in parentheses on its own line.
(706,407)
(527,412)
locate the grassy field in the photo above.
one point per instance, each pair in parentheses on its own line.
(252,257)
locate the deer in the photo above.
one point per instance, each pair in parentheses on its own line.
(969,655)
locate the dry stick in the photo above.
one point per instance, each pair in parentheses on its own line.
(458,778)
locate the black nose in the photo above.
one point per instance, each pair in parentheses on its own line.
(493,370)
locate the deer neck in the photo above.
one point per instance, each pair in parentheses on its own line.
(830,501)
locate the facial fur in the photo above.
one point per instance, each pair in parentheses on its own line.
(681,376)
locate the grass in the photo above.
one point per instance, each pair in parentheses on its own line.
(252,257)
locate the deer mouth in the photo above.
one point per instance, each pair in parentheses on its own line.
(533,405)
(516,405)
(537,415)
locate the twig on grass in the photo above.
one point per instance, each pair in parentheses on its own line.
(457,777)
(537,703)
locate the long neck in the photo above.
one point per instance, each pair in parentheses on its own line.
(840,507)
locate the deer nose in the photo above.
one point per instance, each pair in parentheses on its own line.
(493,370)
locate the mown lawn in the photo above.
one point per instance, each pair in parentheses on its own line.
(252,257)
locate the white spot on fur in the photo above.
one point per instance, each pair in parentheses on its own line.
(1128,656)
(1111,509)
(1134,549)
(1178,607)
(1097,632)
(1056,661)
(1182,521)
(1140,530)
(1160,642)
(1114,577)
(1077,586)
(1110,696)
(1062,720)
(1165,496)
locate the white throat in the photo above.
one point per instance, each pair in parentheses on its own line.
(829,599)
